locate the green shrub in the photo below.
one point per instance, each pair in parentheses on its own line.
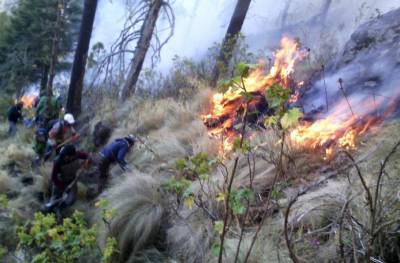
(43,240)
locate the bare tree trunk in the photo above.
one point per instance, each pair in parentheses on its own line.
(81,54)
(54,48)
(44,79)
(324,11)
(54,53)
(228,44)
(142,47)
(285,13)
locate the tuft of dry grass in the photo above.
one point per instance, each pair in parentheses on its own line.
(4,182)
(140,214)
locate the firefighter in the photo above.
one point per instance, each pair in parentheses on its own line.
(113,153)
(62,132)
(64,178)
(14,115)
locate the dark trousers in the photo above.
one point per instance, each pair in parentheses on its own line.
(58,193)
(103,168)
(12,129)
(101,172)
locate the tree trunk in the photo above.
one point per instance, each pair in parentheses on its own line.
(285,13)
(228,44)
(44,79)
(141,49)
(81,54)
(54,48)
(324,11)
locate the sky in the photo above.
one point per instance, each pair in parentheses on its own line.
(200,23)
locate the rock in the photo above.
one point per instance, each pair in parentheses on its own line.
(378,37)
(369,66)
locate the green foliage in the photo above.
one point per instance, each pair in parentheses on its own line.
(242,70)
(26,40)
(109,249)
(177,186)
(196,166)
(107,214)
(68,242)
(215,248)
(97,53)
(245,147)
(291,117)
(3,252)
(277,96)
(237,197)
(3,202)
(4,22)
(219,226)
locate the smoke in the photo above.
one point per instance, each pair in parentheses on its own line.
(200,23)
(368,66)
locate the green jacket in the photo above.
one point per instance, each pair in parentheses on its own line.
(55,108)
(39,147)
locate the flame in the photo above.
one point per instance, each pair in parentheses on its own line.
(226,107)
(340,128)
(28,100)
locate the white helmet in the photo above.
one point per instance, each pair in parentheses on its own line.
(69,118)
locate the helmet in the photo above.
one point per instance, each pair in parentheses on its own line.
(69,118)
(131,139)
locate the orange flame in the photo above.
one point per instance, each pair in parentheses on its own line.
(225,106)
(28,100)
(340,128)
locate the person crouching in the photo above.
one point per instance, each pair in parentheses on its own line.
(112,153)
(64,178)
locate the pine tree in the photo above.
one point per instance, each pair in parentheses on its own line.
(25,44)
(230,39)
(81,54)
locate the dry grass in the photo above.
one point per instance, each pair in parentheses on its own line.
(4,182)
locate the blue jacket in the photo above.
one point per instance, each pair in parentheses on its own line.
(116,151)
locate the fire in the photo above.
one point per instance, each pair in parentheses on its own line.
(226,107)
(338,129)
(28,100)
(341,129)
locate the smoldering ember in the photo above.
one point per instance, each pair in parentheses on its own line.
(230,131)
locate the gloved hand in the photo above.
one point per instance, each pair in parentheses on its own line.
(76,137)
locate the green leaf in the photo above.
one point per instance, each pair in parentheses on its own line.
(291,117)
(236,144)
(3,252)
(223,85)
(189,201)
(236,200)
(220,197)
(219,226)
(276,95)
(3,201)
(180,164)
(242,69)
(271,120)
(236,83)
(215,248)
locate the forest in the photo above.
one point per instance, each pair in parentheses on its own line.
(227,131)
